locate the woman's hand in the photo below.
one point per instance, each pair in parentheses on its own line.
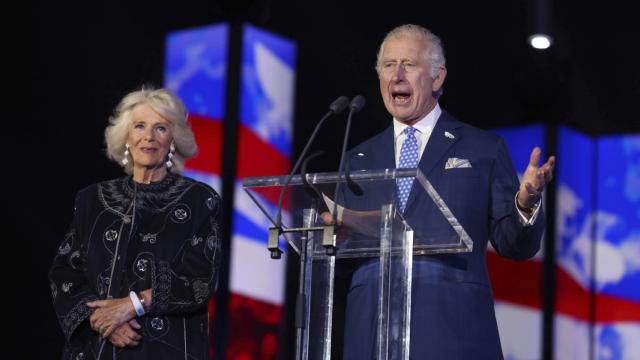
(110,314)
(125,335)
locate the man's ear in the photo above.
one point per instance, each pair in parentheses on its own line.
(438,81)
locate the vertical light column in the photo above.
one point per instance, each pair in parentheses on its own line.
(196,69)
(257,283)
(517,285)
(616,242)
(574,249)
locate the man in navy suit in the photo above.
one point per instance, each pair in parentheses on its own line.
(452,302)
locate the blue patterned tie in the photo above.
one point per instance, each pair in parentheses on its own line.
(408,159)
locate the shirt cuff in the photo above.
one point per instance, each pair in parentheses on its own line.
(523,216)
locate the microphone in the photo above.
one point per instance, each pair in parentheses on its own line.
(336,107)
(356,104)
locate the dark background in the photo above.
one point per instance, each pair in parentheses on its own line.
(87,55)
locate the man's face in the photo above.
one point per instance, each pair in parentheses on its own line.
(405,79)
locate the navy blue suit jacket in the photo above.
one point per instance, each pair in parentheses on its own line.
(452,302)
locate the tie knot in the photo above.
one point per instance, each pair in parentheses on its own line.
(410,131)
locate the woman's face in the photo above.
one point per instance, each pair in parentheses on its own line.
(150,136)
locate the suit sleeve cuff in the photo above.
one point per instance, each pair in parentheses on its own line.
(528,219)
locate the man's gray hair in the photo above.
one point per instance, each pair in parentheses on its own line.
(434,54)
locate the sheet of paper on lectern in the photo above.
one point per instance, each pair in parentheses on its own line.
(363,222)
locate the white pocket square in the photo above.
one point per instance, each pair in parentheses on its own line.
(455,163)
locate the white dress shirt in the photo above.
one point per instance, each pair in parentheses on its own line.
(424,127)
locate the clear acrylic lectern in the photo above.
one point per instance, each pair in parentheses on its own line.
(369,226)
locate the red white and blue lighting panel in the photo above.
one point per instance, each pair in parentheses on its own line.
(196,69)
(598,247)
(257,282)
(517,285)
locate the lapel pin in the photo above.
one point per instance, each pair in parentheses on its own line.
(449,135)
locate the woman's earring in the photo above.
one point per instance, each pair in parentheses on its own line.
(172,150)
(125,161)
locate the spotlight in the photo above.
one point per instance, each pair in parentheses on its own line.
(540,41)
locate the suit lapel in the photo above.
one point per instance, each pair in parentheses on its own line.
(386,150)
(384,155)
(443,137)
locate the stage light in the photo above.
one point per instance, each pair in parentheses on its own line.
(541,21)
(540,41)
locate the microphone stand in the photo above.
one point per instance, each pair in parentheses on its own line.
(316,197)
(336,107)
(328,236)
(353,186)
(300,320)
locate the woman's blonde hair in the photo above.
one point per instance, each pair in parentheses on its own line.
(165,103)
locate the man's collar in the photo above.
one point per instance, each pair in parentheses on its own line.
(424,125)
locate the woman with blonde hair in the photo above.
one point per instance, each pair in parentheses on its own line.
(133,275)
